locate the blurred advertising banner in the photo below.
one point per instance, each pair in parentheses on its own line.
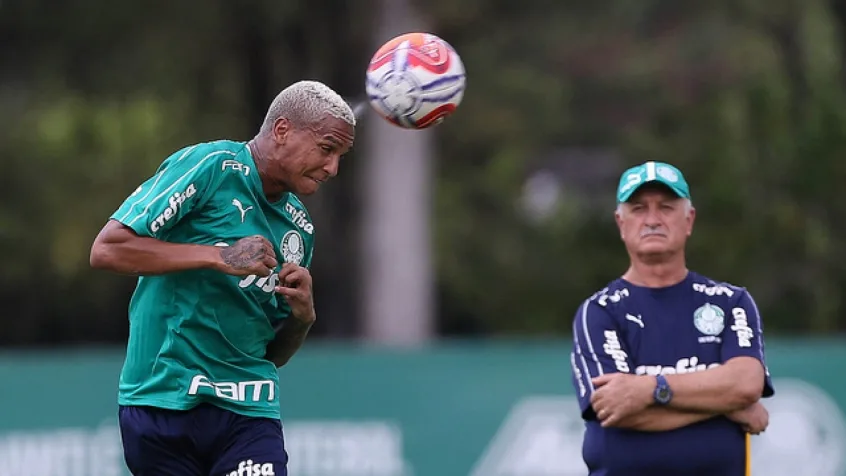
(473,409)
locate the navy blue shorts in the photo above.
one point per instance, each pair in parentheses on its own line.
(203,441)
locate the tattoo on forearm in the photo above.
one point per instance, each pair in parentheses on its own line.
(244,253)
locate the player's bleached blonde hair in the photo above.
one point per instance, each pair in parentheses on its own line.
(305,103)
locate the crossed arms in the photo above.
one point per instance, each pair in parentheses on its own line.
(625,401)
(610,393)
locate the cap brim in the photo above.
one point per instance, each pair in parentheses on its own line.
(658,183)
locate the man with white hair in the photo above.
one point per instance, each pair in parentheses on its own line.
(222,247)
(668,365)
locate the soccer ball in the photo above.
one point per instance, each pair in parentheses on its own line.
(415,80)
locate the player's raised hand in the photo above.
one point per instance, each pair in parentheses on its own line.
(248,256)
(295,286)
(619,396)
(753,419)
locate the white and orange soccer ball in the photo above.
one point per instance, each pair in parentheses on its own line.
(415,80)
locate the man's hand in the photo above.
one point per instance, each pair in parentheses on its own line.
(248,256)
(753,419)
(620,395)
(295,286)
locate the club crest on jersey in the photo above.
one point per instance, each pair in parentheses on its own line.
(293,247)
(709,320)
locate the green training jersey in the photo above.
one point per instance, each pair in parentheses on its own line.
(201,335)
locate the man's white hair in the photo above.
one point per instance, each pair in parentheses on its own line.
(305,103)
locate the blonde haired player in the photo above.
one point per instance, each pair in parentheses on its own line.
(221,244)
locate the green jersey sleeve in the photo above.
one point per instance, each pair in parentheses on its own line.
(179,186)
(309,253)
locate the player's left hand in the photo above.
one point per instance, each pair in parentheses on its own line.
(295,286)
(619,396)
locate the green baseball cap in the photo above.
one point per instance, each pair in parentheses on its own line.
(651,172)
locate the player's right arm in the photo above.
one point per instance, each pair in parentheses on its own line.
(118,248)
(134,242)
(599,349)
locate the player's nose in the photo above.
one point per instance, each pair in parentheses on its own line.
(331,166)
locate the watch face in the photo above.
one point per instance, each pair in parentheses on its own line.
(663,395)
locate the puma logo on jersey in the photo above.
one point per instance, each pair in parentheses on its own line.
(249,468)
(636,319)
(241,208)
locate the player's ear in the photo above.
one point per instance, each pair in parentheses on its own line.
(281,129)
(691,217)
(618,217)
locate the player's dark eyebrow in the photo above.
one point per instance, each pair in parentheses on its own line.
(335,142)
(332,139)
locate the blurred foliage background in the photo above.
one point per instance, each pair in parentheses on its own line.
(747,97)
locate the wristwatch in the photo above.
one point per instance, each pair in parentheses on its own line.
(663,393)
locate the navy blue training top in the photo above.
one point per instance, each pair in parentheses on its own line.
(691,326)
